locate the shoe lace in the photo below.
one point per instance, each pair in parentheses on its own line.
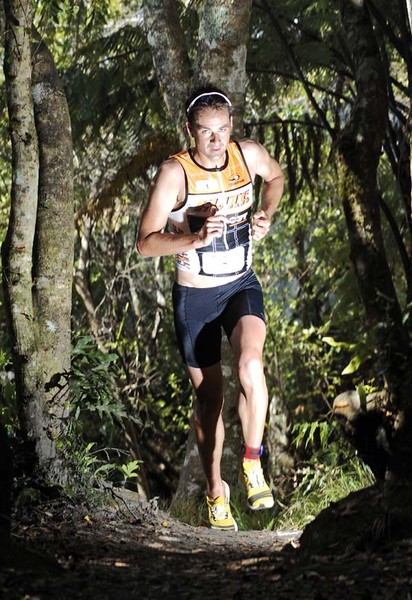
(220,512)
(256,478)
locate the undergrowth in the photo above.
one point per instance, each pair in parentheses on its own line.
(331,473)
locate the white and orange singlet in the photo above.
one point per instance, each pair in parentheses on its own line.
(230,190)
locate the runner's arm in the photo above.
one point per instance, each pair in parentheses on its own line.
(153,240)
(261,163)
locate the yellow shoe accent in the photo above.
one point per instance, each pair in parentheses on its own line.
(220,516)
(259,495)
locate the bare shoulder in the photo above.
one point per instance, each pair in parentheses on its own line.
(258,159)
(254,153)
(171,170)
(168,183)
(167,189)
(250,148)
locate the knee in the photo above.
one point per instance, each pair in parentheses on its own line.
(250,370)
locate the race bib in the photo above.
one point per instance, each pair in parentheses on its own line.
(223,263)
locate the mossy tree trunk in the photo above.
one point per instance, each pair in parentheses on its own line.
(38,249)
(166,39)
(358,150)
(222,49)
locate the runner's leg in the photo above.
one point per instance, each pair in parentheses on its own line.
(247,340)
(210,432)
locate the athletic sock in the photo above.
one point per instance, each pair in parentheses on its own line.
(250,453)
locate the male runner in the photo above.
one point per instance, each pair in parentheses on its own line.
(205,196)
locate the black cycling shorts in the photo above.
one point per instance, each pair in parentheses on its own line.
(200,314)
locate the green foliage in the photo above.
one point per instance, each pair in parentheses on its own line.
(150,381)
(360,352)
(302,280)
(99,468)
(92,381)
(305,433)
(332,472)
(172,415)
(64,24)
(94,408)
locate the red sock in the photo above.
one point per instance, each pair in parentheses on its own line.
(250,453)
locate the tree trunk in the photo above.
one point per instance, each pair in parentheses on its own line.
(358,149)
(38,250)
(18,245)
(170,57)
(53,250)
(222,48)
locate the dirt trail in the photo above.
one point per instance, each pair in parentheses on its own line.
(134,551)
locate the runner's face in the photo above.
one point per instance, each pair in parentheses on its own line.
(211,133)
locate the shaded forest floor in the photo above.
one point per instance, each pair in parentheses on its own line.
(130,550)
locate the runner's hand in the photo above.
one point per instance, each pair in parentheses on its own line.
(260,225)
(213,227)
